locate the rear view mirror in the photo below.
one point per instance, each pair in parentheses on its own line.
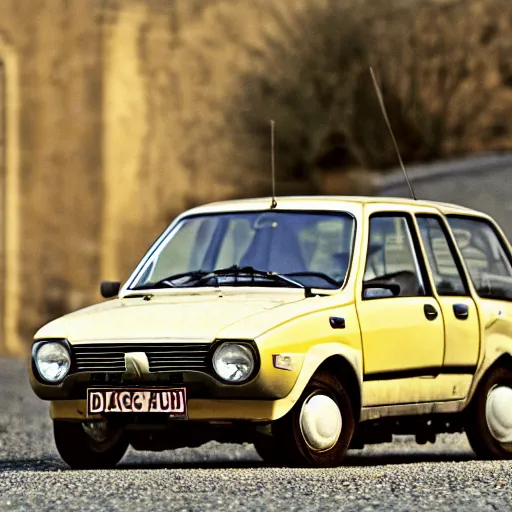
(380,290)
(109,289)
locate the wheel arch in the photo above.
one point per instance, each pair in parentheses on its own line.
(343,370)
(504,360)
(343,360)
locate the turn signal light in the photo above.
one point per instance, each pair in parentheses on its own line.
(282,361)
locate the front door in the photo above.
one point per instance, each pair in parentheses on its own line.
(402,329)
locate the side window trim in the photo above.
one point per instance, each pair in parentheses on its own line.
(414,238)
(416,252)
(452,245)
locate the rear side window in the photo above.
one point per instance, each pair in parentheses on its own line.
(485,256)
(443,264)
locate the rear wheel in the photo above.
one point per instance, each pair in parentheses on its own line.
(89,445)
(316,432)
(489,417)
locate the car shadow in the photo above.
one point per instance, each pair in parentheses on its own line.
(406,458)
(350,461)
(32,465)
(370,460)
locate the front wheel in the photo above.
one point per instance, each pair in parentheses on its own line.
(489,417)
(89,445)
(316,432)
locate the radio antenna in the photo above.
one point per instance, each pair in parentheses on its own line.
(383,107)
(273,204)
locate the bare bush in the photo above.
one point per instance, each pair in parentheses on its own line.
(444,68)
(441,84)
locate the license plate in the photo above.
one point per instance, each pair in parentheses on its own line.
(167,401)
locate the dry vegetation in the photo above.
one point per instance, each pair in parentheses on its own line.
(445,70)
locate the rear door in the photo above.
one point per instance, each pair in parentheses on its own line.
(488,260)
(460,314)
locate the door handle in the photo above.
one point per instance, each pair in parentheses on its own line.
(461,311)
(430,312)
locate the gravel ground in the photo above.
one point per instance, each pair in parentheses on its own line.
(400,476)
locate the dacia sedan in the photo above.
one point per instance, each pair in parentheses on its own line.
(307,328)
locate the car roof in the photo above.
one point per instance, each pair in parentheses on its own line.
(327,202)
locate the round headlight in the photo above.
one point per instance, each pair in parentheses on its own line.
(233,362)
(53,361)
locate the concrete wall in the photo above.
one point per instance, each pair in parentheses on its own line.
(50,51)
(2,195)
(89,173)
(144,184)
(483,183)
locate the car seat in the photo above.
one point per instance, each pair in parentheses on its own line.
(274,248)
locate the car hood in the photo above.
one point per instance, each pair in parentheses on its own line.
(178,315)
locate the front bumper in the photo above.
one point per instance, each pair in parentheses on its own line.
(198,409)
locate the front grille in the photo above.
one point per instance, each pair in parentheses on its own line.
(162,357)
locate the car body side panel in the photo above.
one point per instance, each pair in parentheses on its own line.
(495,316)
(398,340)
(418,390)
(308,341)
(397,337)
(496,328)
(302,311)
(462,337)
(496,319)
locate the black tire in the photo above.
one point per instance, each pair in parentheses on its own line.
(266,449)
(80,451)
(288,445)
(483,443)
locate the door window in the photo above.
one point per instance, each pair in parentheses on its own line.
(485,255)
(391,260)
(447,275)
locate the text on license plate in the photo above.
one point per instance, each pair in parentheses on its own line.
(169,401)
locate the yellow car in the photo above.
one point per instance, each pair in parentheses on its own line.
(307,328)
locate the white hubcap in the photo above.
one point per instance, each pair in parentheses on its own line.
(320,422)
(498,413)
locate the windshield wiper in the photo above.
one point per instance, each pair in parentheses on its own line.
(321,275)
(200,277)
(237,271)
(168,282)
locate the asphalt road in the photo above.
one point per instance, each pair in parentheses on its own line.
(395,477)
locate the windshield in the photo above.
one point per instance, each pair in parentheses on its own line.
(314,248)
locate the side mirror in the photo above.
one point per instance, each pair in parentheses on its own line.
(380,290)
(109,289)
